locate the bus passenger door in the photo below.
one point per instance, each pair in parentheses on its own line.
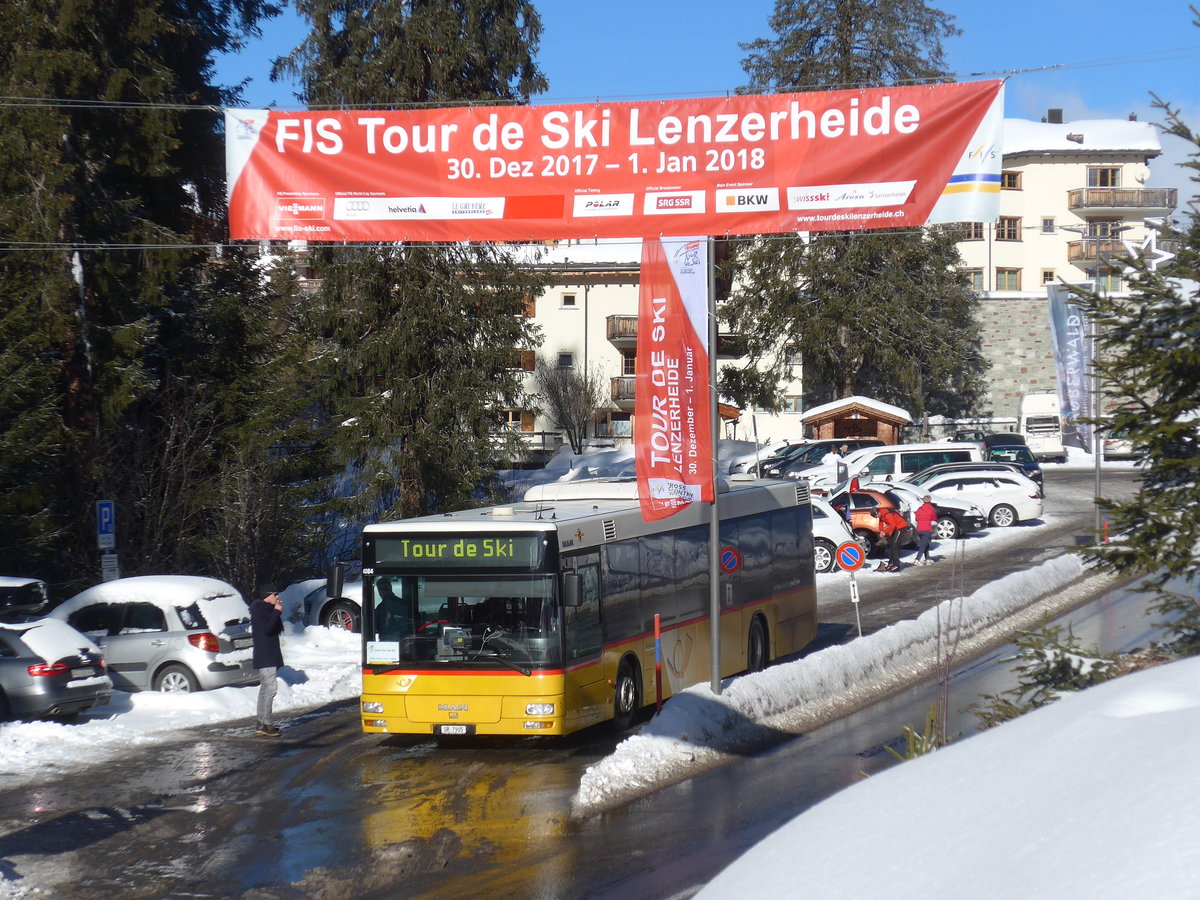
(587,691)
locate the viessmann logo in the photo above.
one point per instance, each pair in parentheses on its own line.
(748,200)
(301,209)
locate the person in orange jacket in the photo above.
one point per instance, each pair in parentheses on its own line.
(891,526)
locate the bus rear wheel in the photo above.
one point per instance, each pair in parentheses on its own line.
(627,697)
(757,654)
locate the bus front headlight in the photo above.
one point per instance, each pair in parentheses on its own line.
(539,709)
(372,706)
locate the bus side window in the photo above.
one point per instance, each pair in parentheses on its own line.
(583,621)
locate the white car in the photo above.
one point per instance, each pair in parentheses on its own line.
(166,632)
(829,531)
(1006,498)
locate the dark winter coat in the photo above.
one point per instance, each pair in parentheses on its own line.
(266,624)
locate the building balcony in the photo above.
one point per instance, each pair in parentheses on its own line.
(624,390)
(1128,203)
(622,333)
(1089,251)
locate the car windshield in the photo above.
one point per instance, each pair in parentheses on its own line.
(1012,454)
(507,620)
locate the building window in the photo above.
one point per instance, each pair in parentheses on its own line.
(615,424)
(971,231)
(524,360)
(566,360)
(1008,279)
(793,403)
(1010,181)
(791,357)
(1008,228)
(628,362)
(1048,225)
(1104,176)
(1047,276)
(975,276)
(1106,280)
(1103,228)
(568,301)
(518,420)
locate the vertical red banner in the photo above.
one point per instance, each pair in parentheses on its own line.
(672,433)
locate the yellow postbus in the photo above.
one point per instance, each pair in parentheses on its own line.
(537,617)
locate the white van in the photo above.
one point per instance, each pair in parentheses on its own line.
(894,462)
(1040,420)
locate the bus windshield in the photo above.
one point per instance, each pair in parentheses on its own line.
(487,620)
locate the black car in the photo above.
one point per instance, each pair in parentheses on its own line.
(21,599)
(813,453)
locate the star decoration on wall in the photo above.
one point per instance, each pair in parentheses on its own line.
(1148,250)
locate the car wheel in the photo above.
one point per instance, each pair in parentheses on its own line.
(757,655)
(866,540)
(174,679)
(823,552)
(1003,516)
(945,528)
(342,615)
(627,697)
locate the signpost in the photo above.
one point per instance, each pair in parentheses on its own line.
(106,539)
(851,557)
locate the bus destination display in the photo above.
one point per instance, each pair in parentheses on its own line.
(522,551)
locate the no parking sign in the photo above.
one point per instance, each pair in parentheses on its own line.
(850,556)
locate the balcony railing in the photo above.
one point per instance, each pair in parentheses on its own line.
(624,388)
(1090,250)
(622,328)
(1095,198)
(622,331)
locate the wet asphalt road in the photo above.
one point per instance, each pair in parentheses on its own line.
(327,812)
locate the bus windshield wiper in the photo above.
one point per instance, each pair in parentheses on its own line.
(492,654)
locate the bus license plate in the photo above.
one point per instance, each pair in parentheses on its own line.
(455,729)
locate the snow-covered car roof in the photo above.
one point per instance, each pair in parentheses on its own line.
(52,639)
(16,581)
(219,602)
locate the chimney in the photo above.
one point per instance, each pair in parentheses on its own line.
(1054,116)
(1133,117)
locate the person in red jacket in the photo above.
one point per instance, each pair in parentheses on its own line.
(891,526)
(925,516)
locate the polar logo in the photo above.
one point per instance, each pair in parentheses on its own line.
(604,205)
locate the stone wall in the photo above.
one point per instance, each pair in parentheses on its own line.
(1016,341)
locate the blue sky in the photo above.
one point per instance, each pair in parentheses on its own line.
(1098,58)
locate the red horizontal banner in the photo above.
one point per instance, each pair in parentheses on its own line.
(876,158)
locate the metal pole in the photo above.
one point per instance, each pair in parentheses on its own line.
(714,526)
(1097,410)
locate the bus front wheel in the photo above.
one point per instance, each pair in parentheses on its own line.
(627,697)
(757,655)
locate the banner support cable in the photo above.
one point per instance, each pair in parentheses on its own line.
(714,527)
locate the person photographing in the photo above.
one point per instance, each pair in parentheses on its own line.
(266,624)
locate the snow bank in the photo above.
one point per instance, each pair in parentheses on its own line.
(698,730)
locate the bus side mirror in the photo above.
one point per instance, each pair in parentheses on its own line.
(335,579)
(572,590)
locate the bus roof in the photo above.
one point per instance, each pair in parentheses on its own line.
(610,501)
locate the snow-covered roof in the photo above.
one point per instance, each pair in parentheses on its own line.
(219,602)
(11,581)
(51,639)
(886,409)
(1098,135)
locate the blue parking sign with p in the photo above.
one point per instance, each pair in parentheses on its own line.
(106,524)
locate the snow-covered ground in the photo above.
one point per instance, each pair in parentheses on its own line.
(1088,797)
(697,729)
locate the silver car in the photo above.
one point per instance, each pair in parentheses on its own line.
(167,632)
(49,670)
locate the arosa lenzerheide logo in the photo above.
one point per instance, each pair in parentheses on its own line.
(307,208)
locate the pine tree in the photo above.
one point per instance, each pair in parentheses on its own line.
(1149,363)
(414,344)
(110,175)
(884,313)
